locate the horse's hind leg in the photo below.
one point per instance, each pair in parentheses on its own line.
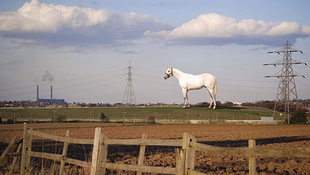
(212,98)
(188,102)
(214,101)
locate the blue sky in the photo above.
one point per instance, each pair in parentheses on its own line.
(83,48)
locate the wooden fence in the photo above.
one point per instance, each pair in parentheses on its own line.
(185,154)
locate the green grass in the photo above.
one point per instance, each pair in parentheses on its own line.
(138,113)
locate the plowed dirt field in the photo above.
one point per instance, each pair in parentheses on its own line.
(267,136)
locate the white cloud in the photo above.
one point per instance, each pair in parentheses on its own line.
(40,17)
(210,25)
(50,23)
(71,50)
(216,29)
(59,25)
(6,61)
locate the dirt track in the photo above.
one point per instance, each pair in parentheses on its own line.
(269,136)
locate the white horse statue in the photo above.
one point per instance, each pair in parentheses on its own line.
(193,82)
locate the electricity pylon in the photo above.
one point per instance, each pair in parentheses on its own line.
(287,91)
(129,95)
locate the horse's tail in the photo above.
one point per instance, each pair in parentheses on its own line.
(215,87)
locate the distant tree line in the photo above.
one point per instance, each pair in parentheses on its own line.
(299,104)
(264,104)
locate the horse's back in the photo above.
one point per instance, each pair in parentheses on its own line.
(207,76)
(209,79)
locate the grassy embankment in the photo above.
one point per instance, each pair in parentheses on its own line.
(168,113)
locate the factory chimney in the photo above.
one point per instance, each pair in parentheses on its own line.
(51,94)
(37,93)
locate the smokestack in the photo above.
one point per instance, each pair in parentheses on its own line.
(51,94)
(37,93)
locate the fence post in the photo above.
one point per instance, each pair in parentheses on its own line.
(25,162)
(180,161)
(96,158)
(252,160)
(103,153)
(64,155)
(141,154)
(190,151)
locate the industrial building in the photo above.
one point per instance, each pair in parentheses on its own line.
(51,100)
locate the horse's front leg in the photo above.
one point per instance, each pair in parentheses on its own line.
(188,102)
(184,92)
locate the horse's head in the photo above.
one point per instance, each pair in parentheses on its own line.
(168,73)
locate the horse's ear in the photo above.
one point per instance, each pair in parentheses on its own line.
(169,67)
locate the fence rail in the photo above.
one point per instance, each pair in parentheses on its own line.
(146,142)
(59,138)
(253,152)
(185,153)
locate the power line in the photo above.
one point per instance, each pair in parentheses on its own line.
(243,92)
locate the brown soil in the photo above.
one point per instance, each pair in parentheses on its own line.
(266,136)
